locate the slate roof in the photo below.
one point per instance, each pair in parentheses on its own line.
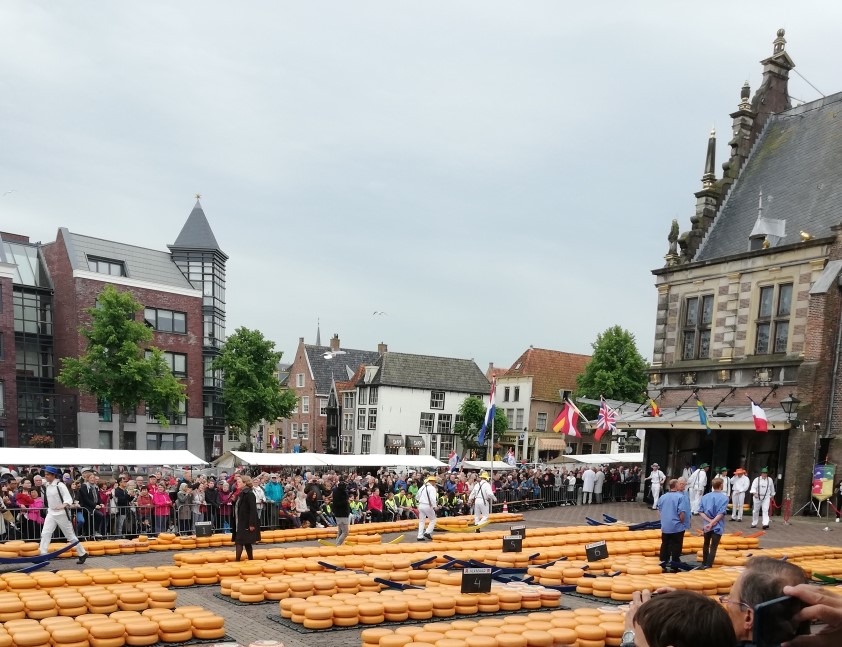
(551,371)
(196,232)
(796,163)
(430,373)
(141,263)
(341,366)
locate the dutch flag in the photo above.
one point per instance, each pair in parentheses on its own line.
(489,415)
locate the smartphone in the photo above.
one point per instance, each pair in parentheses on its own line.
(774,624)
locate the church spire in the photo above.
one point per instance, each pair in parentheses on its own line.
(709,178)
(318,333)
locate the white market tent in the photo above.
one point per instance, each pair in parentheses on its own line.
(289,459)
(307,459)
(81,456)
(497,466)
(600,459)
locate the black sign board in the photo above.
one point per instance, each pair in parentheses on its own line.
(476,580)
(596,551)
(512,544)
(520,530)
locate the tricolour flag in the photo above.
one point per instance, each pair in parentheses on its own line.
(761,422)
(656,410)
(607,420)
(567,421)
(703,416)
(489,414)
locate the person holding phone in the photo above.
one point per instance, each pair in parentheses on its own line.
(826,609)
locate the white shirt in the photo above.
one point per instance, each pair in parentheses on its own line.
(427,495)
(698,480)
(599,479)
(657,477)
(726,485)
(482,491)
(56,496)
(763,488)
(571,482)
(739,483)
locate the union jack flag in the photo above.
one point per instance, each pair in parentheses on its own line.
(606,421)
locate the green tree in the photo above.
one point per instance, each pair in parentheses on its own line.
(616,371)
(250,389)
(472,413)
(119,366)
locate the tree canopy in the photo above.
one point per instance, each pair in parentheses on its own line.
(120,366)
(250,389)
(472,415)
(616,371)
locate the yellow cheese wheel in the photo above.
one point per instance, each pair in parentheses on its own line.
(176,637)
(372,620)
(613,629)
(5,640)
(141,641)
(208,622)
(174,624)
(563,636)
(31,637)
(428,637)
(142,627)
(208,634)
(318,613)
(511,640)
(317,624)
(538,638)
(346,622)
(108,642)
(395,640)
(69,634)
(590,632)
(107,630)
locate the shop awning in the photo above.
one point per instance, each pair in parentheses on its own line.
(392,440)
(551,444)
(727,418)
(414,442)
(382,460)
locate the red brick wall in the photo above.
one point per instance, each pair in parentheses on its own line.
(300,365)
(74,296)
(9,422)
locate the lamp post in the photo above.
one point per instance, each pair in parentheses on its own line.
(790,405)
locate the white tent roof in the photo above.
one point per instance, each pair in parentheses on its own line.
(79,456)
(498,466)
(600,459)
(381,460)
(280,459)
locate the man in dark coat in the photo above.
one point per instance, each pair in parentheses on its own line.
(341,510)
(245,526)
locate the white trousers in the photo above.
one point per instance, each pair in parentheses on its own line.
(656,494)
(587,497)
(738,499)
(425,512)
(760,506)
(60,521)
(480,512)
(695,500)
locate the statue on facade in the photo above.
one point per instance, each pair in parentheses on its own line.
(672,254)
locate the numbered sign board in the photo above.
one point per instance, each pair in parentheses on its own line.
(520,530)
(512,544)
(596,551)
(476,580)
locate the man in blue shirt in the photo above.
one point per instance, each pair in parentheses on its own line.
(671,508)
(712,509)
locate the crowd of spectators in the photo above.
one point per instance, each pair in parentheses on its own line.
(131,504)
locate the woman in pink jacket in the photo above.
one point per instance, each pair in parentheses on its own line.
(162,502)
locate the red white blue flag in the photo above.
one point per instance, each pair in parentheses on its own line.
(489,414)
(606,421)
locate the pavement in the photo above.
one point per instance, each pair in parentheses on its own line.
(247,624)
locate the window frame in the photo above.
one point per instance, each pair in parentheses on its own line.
(427,428)
(362,396)
(348,398)
(299,380)
(372,419)
(516,394)
(361,418)
(444,424)
(506,392)
(322,407)
(365,443)
(435,402)
(541,421)
(155,323)
(109,262)
(775,320)
(305,404)
(304,432)
(698,329)
(293,430)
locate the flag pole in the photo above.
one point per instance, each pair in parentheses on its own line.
(491,471)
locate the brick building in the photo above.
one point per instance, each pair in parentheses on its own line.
(749,297)
(45,290)
(530,394)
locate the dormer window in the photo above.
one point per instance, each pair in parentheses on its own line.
(106,266)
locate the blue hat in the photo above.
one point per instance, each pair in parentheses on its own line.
(49,469)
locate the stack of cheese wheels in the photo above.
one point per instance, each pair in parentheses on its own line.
(583,627)
(251,592)
(27,633)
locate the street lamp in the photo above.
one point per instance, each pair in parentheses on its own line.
(790,406)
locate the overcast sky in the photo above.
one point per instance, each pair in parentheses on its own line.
(489,174)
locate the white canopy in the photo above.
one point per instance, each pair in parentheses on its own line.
(381,460)
(497,466)
(80,456)
(600,459)
(280,459)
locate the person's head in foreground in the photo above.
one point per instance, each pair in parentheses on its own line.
(763,579)
(682,619)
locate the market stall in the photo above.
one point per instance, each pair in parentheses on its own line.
(79,456)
